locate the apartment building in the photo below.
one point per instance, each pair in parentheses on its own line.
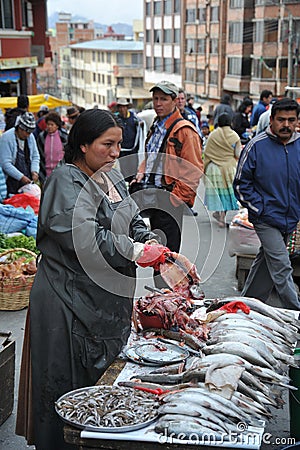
(211,47)
(103,70)
(24,45)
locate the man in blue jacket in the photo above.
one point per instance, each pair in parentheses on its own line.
(267,184)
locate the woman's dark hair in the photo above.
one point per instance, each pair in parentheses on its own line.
(90,125)
(224,120)
(244,105)
(53,117)
(286,104)
(226,99)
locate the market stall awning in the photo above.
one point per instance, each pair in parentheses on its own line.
(35,102)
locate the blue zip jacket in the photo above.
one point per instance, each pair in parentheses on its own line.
(267,181)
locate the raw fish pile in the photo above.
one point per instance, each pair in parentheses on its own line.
(241,375)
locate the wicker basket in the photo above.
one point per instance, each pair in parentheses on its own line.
(14,292)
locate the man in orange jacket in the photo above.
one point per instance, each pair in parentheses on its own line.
(179,168)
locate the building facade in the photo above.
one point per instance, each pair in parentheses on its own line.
(24,45)
(238,47)
(104,70)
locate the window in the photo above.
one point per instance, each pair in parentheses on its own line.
(120,58)
(236,3)
(235,32)
(284,32)
(190,46)
(283,68)
(214,14)
(6,14)
(239,66)
(108,79)
(148,63)
(168,36)
(157,36)
(214,46)
(202,46)
(177,35)
(191,15)
(148,9)
(177,65)
(266,31)
(94,77)
(27,16)
(94,56)
(202,15)
(157,8)
(121,81)
(200,75)
(167,6)
(248,32)
(148,35)
(136,59)
(177,6)
(137,82)
(213,77)
(108,57)
(270,30)
(168,66)
(189,74)
(158,64)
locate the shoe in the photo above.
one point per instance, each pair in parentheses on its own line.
(194,212)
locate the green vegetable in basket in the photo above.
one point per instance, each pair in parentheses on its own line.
(19,241)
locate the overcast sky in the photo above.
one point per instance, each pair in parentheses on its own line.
(102,11)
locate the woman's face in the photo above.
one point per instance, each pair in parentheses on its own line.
(102,153)
(51,127)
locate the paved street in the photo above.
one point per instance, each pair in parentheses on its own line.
(207,245)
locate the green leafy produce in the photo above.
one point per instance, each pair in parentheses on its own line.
(20,241)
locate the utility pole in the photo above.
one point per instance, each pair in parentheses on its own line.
(296,61)
(290,54)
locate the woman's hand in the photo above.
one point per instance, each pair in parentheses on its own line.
(25,180)
(35,176)
(153,256)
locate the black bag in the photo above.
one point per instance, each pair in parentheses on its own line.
(144,194)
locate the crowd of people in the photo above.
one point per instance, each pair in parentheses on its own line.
(91,232)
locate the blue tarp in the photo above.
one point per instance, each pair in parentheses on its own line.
(14,220)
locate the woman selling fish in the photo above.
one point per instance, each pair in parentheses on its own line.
(89,235)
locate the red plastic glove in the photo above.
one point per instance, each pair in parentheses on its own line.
(233,307)
(153,256)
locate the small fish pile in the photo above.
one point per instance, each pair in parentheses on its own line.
(241,375)
(107,406)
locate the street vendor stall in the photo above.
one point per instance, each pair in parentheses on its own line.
(210,372)
(35,102)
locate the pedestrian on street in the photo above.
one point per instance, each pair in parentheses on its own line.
(267,184)
(51,144)
(187,113)
(89,236)
(132,131)
(179,165)
(19,155)
(241,123)
(223,107)
(11,114)
(222,151)
(260,107)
